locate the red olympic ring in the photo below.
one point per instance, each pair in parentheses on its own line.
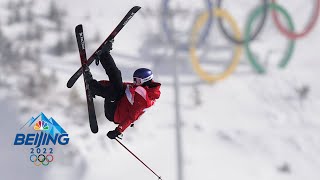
(50,156)
(295,35)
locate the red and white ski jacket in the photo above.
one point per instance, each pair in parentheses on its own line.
(134,103)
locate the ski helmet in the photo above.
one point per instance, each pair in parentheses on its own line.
(141,76)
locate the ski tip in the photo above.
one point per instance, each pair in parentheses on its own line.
(69,85)
(78,27)
(136,8)
(94,131)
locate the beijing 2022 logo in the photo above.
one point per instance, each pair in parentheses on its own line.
(48,133)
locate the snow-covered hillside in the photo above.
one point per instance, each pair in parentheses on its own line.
(248,126)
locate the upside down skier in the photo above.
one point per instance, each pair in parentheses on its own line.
(124,102)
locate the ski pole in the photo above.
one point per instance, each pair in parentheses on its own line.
(138,159)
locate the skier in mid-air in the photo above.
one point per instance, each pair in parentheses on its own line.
(124,102)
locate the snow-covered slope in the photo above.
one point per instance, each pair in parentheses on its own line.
(248,126)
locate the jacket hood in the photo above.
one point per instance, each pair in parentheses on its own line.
(153,91)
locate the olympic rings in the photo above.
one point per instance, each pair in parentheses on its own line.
(293,35)
(41,159)
(169,32)
(203,24)
(291,45)
(195,60)
(254,34)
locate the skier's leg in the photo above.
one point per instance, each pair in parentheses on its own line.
(108,93)
(109,109)
(113,73)
(116,89)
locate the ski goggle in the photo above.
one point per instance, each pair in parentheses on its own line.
(138,81)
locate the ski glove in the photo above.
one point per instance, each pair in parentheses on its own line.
(113,134)
(106,48)
(88,75)
(95,88)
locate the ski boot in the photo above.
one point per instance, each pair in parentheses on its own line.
(106,48)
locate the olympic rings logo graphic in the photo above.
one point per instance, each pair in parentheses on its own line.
(203,23)
(41,159)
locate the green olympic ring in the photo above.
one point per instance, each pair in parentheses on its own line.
(45,164)
(284,61)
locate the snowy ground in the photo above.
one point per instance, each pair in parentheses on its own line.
(248,126)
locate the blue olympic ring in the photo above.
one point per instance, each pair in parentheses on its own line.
(34,159)
(168,32)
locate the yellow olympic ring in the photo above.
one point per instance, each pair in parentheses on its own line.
(35,163)
(192,51)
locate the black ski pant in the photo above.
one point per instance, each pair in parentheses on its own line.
(115,90)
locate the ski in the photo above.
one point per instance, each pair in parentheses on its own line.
(122,23)
(86,77)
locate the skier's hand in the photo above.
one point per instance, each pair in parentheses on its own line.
(87,74)
(94,87)
(106,48)
(113,134)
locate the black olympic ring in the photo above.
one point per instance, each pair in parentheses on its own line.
(254,34)
(169,32)
(43,159)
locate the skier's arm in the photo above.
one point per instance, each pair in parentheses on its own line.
(137,110)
